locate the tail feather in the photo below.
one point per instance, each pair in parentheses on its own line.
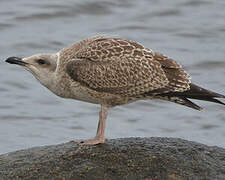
(195,92)
(191,104)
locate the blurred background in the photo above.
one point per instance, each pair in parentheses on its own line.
(190,31)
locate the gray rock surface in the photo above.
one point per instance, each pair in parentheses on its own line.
(128,158)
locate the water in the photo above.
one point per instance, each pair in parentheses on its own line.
(190,31)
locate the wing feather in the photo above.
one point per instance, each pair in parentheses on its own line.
(118,66)
(179,79)
(126,77)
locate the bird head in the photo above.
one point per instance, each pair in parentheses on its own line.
(42,66)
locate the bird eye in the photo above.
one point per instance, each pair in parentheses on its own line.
(41,61)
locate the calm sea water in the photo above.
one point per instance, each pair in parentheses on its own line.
(190,31)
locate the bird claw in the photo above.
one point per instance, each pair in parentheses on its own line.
(93,141)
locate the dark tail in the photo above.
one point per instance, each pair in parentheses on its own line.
(195,92)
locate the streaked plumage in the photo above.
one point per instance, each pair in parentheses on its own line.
(131,71)
(113,71)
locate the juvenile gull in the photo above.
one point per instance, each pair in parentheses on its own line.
(111,72)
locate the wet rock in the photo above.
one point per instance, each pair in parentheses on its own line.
(128,158)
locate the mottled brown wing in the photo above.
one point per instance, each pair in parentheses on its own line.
(179,79)
(166,62)
(117,66)
(105,49)
(124,67)
(127,77)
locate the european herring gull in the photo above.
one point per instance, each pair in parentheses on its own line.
(111,72)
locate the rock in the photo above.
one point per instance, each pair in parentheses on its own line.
(128,158)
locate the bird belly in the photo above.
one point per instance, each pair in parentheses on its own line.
(74,90)
(88,95)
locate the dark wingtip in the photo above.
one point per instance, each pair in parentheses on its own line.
(198,91)
(15,60)
(220,96)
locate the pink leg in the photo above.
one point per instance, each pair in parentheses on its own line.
(100,135)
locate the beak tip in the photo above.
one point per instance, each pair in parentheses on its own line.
(15,60)
(11,60)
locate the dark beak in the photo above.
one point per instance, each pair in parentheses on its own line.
(15,60)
